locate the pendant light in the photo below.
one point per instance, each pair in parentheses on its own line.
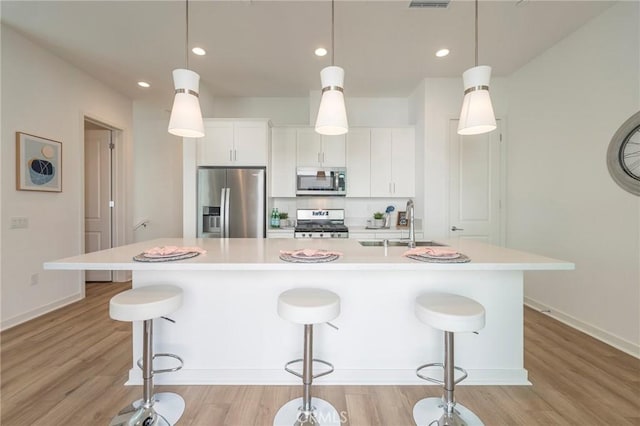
(186,117)
(477,114)
(332,115)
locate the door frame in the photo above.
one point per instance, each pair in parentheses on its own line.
(119,234)
(90,125)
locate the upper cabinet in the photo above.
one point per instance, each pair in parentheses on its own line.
(359,162)
(380,162)
(393,166)
(283,162)
(233,143)
(314,150)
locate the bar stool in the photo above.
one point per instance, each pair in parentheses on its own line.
(145,304)
(452,314)
(308,306)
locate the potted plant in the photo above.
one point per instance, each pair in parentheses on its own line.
(284,219)
(378,219)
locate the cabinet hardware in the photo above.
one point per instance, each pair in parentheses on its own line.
(455,228)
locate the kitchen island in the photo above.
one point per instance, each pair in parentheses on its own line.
(228,330)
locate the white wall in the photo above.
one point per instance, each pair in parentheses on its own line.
(367,112)
(280,111)
(45,96)
(157,174)
(564,107)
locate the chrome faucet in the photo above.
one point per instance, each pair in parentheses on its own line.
(412,228)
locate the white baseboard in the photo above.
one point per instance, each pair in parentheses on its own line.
(593,331)
(26,316)
(338,377)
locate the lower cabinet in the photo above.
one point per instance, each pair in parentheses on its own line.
(383,235)
(279,233)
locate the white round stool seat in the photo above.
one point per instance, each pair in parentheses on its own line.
(450,312)
(308,305)
(145,303)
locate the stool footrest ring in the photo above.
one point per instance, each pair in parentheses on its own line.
(164,370)
(315,376)
(437,381)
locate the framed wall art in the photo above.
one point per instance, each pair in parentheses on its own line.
(402,220)
(38,163)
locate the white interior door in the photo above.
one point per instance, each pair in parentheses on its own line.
(475,185)
(97,195)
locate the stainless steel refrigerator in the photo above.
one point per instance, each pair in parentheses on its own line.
(231,202)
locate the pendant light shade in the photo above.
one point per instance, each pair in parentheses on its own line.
(332,115)
(186,117)
(477,114)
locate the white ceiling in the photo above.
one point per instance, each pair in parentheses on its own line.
(265,48)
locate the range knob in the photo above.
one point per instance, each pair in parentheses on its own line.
(321,235)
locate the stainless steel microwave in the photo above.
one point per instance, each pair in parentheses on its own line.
(321,181)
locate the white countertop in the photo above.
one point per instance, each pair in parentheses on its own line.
(263,254)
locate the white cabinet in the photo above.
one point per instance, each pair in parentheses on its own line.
(314,150)
(283,162)
(233,143)
(393,162)
(386,234)
(279,233)
(359,162)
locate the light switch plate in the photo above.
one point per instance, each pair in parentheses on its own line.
(19,222)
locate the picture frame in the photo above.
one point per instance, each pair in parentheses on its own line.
(402,220)
(38,163)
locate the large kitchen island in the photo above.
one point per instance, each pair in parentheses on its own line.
(228,330)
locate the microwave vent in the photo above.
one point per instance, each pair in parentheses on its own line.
(438,4)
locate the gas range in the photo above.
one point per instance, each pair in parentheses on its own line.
(320,224)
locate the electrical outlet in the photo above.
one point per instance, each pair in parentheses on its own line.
(19,222)
(35,279)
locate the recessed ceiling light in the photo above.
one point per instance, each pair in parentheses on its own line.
(442,53)
(321,51)
(143,84)
(199,51)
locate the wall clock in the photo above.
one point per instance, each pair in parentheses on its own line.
(623,155)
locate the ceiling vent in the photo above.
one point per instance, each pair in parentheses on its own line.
(430,3)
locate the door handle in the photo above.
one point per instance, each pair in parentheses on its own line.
(455,228)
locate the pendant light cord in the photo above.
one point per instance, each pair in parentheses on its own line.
(332,25)
(476,33)
(186,43)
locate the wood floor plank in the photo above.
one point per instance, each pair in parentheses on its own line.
(69,368)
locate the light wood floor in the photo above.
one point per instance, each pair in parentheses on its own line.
(68,368)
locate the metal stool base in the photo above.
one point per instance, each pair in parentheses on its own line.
(166,410)
(432,412)
(141,416)
(322,414)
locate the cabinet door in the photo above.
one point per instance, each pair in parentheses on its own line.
(333,151)
(308,148)
(358,163)
(380,163)
(283,162)
(251,145)
(403,162)
(216,147)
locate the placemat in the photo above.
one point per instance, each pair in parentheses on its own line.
(142,258)
(289,258)
(461,259)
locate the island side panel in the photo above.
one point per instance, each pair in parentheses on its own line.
(228,330)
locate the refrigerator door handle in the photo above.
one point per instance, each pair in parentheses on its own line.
(226,212)
(223,215)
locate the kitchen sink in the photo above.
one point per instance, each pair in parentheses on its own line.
(397,243)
